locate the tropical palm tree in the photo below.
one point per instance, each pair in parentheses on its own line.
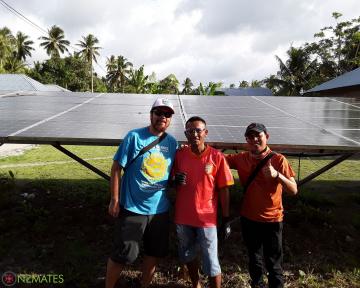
(7,42)
(138,80)
(55,43)
(210,89)
(110,66)
(187,86)
(89,52)
(23,46)
(294,75)
(118,71)
(14,65)
(110,63)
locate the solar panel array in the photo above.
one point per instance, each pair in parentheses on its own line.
(294,123)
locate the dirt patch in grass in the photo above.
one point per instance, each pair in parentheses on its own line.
(61,227)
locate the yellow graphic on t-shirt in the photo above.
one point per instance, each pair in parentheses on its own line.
(154,167)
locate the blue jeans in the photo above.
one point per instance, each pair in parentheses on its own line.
(193,240)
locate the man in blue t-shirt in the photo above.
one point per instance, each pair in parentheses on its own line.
(140,203)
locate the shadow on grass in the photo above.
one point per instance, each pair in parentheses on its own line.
(61,227)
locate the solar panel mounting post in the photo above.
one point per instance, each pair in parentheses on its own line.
(325,168)
(81,161)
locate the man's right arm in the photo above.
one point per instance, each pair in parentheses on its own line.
(115,183)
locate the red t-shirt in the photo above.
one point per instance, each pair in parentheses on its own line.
(263,199)
(196,202)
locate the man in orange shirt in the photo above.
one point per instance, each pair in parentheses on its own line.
(261,208)
(202,175)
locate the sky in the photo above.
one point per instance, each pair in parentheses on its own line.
(206,40)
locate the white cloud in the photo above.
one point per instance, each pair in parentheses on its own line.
(206,40)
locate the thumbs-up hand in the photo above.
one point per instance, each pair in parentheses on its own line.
(269,170)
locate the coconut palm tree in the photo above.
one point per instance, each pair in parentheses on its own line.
(14,65)
(110,66)
(7,42)
(187,86)
(118,71)
(294,74)
(55,42)
(89,52)
(23,46)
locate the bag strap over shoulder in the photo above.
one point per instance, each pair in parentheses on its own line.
(146,148)
(257,169)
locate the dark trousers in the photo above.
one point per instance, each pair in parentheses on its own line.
(264,244)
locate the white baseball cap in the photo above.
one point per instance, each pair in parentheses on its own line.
(163,102)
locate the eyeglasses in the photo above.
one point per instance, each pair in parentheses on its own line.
(160,113)
(194,130)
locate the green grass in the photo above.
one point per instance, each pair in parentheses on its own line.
(64,228)
(68,170)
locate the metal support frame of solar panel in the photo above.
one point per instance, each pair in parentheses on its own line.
(294,123)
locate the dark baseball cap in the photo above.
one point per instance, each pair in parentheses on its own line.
(255,127)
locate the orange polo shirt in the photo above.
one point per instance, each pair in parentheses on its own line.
(263,199)
(196,202)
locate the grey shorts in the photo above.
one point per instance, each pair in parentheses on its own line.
(132,230)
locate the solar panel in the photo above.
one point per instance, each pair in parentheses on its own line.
(294,123)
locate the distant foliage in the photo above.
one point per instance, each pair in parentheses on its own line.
(334,51)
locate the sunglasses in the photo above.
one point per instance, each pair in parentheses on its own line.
(160,113)
(194,130)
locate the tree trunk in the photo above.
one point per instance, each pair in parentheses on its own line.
(92,76)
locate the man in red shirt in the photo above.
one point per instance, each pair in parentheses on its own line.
(261,208)
(202,174)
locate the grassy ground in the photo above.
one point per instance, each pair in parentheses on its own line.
(53,220)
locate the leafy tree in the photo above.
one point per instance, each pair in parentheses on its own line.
(118,70)
(152,86)
(13,50)
(336,48)
(70,72)
(23,46)
(100,84)
(14,65)
(187,86)
(137,81)
(232,85)
(7,42)
(55,43)
(244,84)
(89,52)
(255,83)
(210,89)
(169,85)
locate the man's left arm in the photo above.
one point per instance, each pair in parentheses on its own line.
(289,184)
(224,230)
(225,201)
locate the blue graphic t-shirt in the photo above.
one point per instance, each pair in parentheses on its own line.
(143,186)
